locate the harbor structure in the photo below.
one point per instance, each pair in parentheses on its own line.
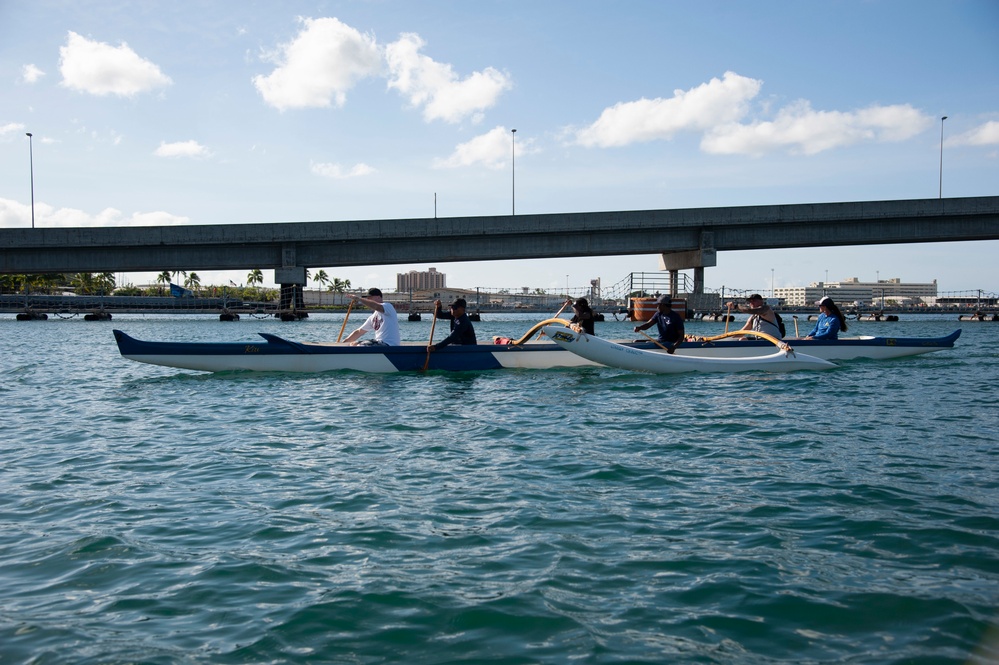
(852,290)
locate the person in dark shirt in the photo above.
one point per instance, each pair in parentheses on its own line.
(462,331)
(583,316)
(670,324)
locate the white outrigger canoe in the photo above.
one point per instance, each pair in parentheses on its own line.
(604,352)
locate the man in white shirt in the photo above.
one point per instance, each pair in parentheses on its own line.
(762,317)
(383,320)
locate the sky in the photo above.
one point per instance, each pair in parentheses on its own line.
(242,111)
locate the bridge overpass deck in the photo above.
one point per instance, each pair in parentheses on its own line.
(687,238)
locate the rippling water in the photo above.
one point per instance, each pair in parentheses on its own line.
(581,515)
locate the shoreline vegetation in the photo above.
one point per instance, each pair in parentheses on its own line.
(179,291)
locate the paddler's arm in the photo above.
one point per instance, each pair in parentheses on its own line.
(368,302)
(648,325)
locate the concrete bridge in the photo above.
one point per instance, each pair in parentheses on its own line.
(685,238)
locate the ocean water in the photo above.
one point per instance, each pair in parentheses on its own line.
(153,515)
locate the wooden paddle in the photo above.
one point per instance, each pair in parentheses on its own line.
(433,324)
(795,317)
(653,340)
(347,316)
(728,315)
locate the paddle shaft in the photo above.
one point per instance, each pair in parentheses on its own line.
(728,315)
(564,305)
(433,324)
(346,316)
(653,340)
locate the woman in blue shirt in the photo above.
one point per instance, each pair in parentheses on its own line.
(830,322)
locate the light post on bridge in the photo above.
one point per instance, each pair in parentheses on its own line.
(513,172)
(941,155)
(31,167)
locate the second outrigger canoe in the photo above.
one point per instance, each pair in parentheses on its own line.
(277,354)
(782,358)
(844,348)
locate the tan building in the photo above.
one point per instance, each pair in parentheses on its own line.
(413,280)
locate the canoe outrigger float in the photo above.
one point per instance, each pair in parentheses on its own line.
(783,359)
(277,354)
(733,345)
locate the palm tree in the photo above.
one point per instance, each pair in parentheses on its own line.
(105,282)
(193,282)
(162,279)
(10,283)
(84,283)
(340,285)
(27,283)
(255,276)
(323,279)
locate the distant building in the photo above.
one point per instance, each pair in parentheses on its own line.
(852,290)
(420,281)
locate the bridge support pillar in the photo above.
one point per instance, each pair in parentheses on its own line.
(291,278)
(703,257)
(292,297)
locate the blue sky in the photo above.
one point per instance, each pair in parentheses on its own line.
(193,112)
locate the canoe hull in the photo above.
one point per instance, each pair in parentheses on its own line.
(627,357)
(276,354)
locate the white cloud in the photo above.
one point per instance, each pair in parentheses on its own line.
(716,102)
(14,214)
(492,149)
(101,69)
(182,149)
(31,74)
(327,58)
(158,218)
(435,86)
(337,172)
(319,66)
(717,110)
(987,134)
(10,128)
(801,130)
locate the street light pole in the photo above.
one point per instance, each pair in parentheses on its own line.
(941,155)
(31,166)
(513,171)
